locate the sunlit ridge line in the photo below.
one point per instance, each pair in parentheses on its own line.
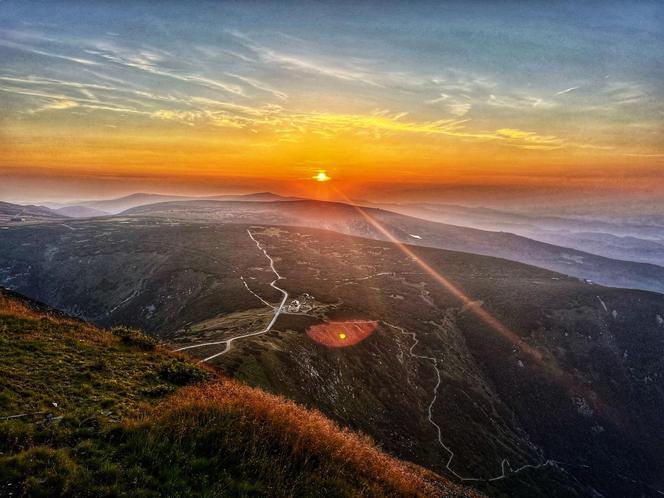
(484,315)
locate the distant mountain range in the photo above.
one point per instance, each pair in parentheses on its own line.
(621,261)
(117,205)
(347,219)
(628,237)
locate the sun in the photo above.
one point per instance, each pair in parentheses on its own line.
(342,336)
(321,176)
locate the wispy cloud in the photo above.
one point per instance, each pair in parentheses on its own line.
(259,86)
(61,102)
(529,139)
(146,61)
(240,84)
(59,105)
(518,102)
(454,106)
(121,92)
(298,63)
(289,125)
(44,53)
(567,90)
(623,92)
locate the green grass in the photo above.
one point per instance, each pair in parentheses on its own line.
(89,412)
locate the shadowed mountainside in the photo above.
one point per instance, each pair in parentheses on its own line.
(578,385)
(91,412)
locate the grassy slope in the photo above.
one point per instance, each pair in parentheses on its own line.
(88,412)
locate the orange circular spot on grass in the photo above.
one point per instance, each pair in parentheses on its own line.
(341,334)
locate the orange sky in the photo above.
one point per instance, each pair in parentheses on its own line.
(262,96)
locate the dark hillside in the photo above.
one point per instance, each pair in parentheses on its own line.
(91,412)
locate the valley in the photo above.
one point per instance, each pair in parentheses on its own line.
(432,382)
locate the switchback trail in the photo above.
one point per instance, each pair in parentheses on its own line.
(277,310)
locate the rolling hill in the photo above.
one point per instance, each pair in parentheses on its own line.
(123,406)
(12,214)
(80,212)
(344,218)
(640,240)
(124,203)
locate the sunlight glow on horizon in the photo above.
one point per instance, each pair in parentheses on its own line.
(321,176)
(261,92)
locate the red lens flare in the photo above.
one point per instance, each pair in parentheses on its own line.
(341,334)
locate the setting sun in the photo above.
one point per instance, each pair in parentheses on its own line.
(322,176)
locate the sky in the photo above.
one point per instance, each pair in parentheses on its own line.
(103,98)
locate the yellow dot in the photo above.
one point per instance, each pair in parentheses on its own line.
(342,336)
(321,176)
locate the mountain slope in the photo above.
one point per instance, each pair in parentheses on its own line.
(13,213)
(130,201)
(493,219)
(622,239)
(144,199)
(574,388)
(80,211)
(344,218)
(88,412)
(256,197)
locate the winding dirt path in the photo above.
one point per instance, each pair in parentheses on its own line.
(505,467)
(277,310)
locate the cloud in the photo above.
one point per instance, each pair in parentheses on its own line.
(259,86)
(64,102)
(621,92)
(32,50)
(305,65)
(290,125)
(459,92)
(59,105)
(285,124)
(518,102)
(124,93)
(443,97)
(563,92)
(378,121)
(459,109)
(146,61)
(529,139)
(456,107)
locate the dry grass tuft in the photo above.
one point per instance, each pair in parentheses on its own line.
(14,307)
(307,434)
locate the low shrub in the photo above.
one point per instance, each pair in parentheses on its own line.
(135,338)
(181,373)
